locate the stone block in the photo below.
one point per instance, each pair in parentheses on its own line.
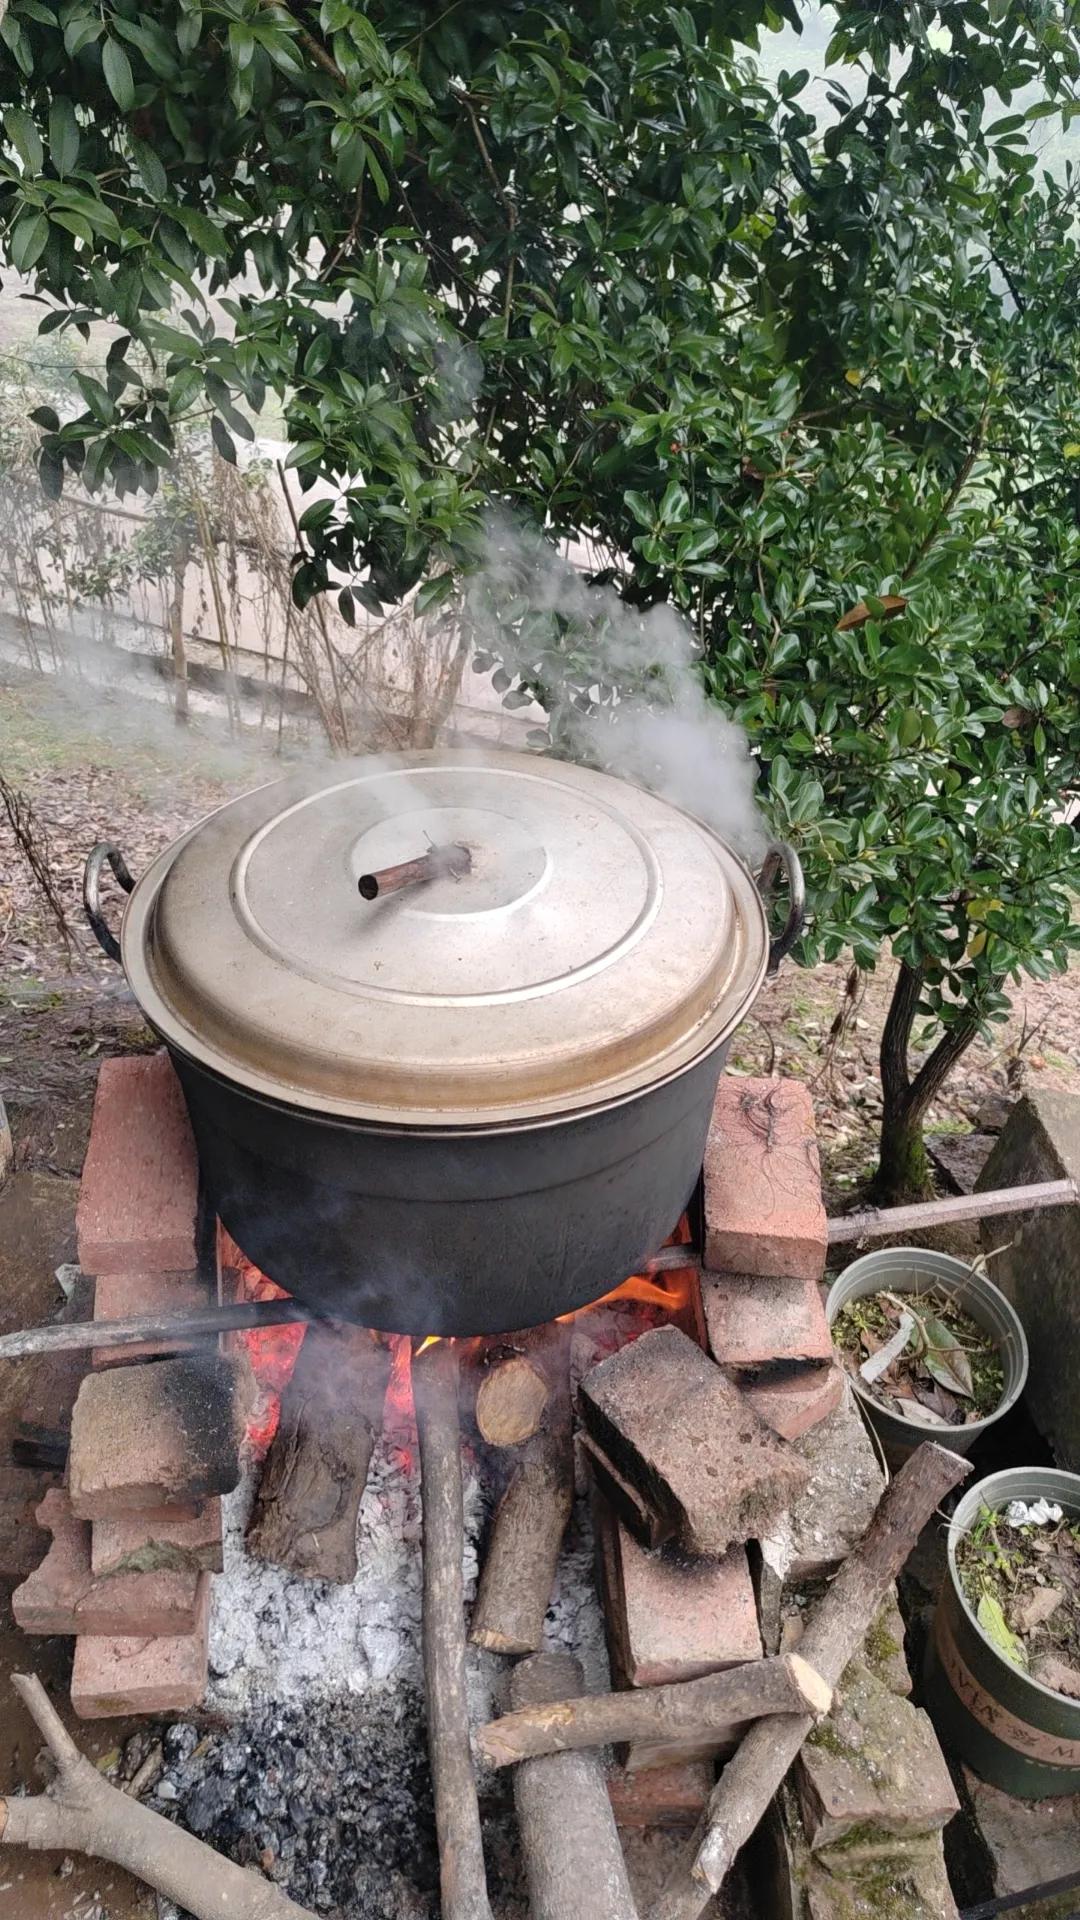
(793,1402)
(672,1796)
(63,1596)
(121,1296)
(669,1617)
(831,1514)
(762,1182)
(114,1677)
(873,1763)
(1030,1841)
(174,1538)
(671,1422)
(882,1650)
(1040,1259)
(884,1876)
(137,1202)
(754,1320)
(164,1433)
(902,1880)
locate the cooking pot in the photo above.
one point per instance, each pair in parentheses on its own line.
(449,1025)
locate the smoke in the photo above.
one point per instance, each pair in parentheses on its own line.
(621,686)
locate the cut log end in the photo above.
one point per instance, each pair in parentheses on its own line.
(815,1691)
(510,1402)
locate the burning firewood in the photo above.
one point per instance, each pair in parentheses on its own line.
(81,1813)
(531,1518)
(314,1476)
(683,1710)
(457,1815)
(835,1630)
(510,1401)
(573,1858)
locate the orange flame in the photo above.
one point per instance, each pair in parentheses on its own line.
(271,1350)
(671,1289)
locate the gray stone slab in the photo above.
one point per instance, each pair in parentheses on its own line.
(1038,1267)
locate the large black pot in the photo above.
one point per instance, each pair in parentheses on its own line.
(453,1233)
(378,1189)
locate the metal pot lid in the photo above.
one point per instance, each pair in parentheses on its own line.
(600,941)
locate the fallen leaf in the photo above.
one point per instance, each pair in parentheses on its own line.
(994,1624)
(880,1361)
(1057,1673)
(945,1360)
(924,1416)
(938,1401)
(1036,1608)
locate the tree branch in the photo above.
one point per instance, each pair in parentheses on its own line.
(955,491)
(896,1034)
(939,1064)
(307,40)
(82,1813)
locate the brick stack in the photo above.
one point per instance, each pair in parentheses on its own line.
(765,1245)
(136,1533)
(871,1786)
(673,1615)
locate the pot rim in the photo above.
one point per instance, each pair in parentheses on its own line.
(960,1526)
(408,1128)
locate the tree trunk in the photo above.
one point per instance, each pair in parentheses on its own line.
(176,634)
(903,1170)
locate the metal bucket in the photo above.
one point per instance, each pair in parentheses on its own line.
(917,1270)
(1018,1734)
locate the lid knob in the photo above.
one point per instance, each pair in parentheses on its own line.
(437,863)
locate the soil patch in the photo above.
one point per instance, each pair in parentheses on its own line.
(921,1356)
(1024,1584)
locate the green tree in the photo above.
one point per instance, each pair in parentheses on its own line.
(809,377)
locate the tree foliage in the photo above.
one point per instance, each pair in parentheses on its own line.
(810,376)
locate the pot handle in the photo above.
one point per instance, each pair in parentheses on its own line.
(104,852)
(782,857)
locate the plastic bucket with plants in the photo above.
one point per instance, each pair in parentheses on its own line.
(1003,1665)
(933,1348)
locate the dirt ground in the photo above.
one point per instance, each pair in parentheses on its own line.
(117,769)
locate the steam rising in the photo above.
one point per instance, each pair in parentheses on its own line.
(622,686)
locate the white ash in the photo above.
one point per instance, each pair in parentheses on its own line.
(320,1777)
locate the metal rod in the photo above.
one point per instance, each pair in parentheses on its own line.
(671,1260)
(200,1323)
(875,1223)
(453,860)
(1009,1902)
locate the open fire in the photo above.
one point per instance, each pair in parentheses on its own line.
(273,1351)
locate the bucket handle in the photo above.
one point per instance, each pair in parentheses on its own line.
(104,853)
(782,858)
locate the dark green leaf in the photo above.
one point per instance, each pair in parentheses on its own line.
(117,70)
(23,134)
(223,439)
(63,135)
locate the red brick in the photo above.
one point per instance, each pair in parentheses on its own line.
(62,1595)
(137,1202)
(670,1618)
(120,1296)
(672,1796)
(752,1320)
(793,1403)
(162,1434)
(146,1674)
(762,1182)
(172,1537)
